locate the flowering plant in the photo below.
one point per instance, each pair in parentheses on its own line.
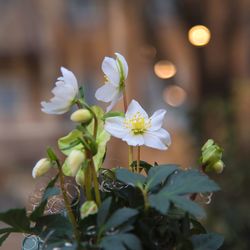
(141,206)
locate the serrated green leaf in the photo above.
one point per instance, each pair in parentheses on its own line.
(210,241)
(103,211)
(128,177)
(119,217)
(191,181)
(179,185)
(158,174)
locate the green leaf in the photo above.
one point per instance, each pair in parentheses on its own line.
(102,136)
(188,205)
(51,154)
(158,174)
(103,211)
(3,238)
(113,114)
(56,223)
(121,241)
(159,203)
(119,217)
(179,185)
(128,177)
(210,241)
(191,181)
(71,141)
(16,218)
(131,241)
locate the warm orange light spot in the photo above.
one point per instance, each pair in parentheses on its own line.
(164,69)
(199,35)
(174,96)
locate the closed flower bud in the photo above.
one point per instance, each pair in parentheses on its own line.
(73,163)
(41,167)
(88,208)
(218,167)
(81,115)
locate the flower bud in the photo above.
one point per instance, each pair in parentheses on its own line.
(73,163)
(88,208)
(218,167)
(41,167)
(81,115)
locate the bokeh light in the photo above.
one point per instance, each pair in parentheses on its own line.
(199,35)
(165,69)
(174,95)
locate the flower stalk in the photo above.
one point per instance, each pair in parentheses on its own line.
(138,159)
(67,203)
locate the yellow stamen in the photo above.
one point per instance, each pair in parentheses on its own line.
(137,123)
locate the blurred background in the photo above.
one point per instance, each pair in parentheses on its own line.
(190,57)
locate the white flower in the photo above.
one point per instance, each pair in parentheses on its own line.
(116,72)
(64,93)
(137,129)
(41,167)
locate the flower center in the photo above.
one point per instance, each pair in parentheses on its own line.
(137,124)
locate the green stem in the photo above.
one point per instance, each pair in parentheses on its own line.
(138,159)
(130,157)
(96,184)
(67,204)
(87,183)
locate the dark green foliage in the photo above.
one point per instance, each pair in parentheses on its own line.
(153,212)
(208,241)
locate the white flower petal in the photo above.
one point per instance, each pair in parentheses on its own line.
(64,93)
(124,64)
(115,100)
(153,141)
(157,119)
(69,78)
(134,140)
(163,135)
(114,126)
(106,92)
(135,107)
(110,69)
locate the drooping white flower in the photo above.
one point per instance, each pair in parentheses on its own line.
(41,167)
(116,72)
(137,129)
(64,93)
